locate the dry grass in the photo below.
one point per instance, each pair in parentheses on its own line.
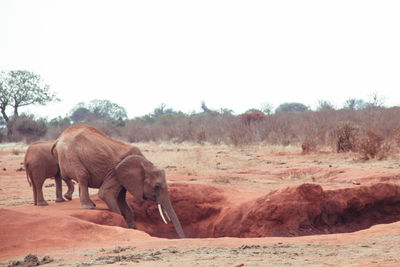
(14,148)
(299,175)
(192,159)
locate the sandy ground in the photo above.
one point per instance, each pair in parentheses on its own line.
(210,185)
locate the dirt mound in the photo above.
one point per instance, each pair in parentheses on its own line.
(23,232)
(308,210)
(207,211)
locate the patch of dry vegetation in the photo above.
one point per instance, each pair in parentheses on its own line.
(372,132)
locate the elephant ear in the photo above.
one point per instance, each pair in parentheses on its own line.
(130,173)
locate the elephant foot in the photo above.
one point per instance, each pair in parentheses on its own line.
(60,200)
(88,206)
(68,196)
(44,203)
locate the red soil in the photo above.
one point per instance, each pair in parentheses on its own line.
(204,211)
(207,211)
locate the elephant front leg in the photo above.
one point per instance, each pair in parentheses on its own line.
(108,192)
(126,210)
(59,197)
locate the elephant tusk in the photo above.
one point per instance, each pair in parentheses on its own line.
(162,216)
(166,213)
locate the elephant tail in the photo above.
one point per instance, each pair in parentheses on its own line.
(27,170)
(27,176)
(53,150)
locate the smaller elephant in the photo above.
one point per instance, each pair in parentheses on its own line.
(40,164)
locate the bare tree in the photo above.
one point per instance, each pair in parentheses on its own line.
(4,96)
(324,105)
(267,108)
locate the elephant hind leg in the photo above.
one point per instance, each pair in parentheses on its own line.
(70,191)
(86,202)
(34,193)
(59,197)
(38,183)
(126,210)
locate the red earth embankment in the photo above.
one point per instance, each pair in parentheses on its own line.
(204,211)
(308,210)
(207,211)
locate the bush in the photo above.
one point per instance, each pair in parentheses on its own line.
(346,136)
(201,136)
(252,117)
(26,128)
(370,146)
(340,129)
(308,145)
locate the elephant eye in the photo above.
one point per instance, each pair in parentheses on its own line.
(157,187)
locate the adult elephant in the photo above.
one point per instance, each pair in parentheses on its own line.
(40,164)
(98,161)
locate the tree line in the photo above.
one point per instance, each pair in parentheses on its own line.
(343,128)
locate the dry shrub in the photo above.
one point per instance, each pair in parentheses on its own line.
(371,146)
(340,129)
(396,137)
(253,117)
(308,145)
(346,136)
(201,136)
(387,148)
(54,132)
(238,136)
(27,128)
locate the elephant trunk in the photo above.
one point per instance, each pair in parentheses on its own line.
(170,212)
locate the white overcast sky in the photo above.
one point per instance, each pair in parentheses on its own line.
(230,54)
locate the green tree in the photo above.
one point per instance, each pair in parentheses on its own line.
(253,110)
(99,110)
(61,122)
(80,113)
(105,109)
(291,107)
(20,88)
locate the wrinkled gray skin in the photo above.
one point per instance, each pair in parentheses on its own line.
(39,165)
(95,160)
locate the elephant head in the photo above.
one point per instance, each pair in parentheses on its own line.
(144,181)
